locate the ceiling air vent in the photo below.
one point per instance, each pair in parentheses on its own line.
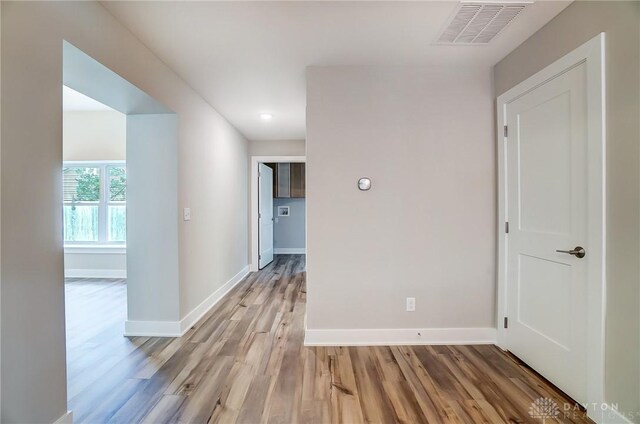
(478,23)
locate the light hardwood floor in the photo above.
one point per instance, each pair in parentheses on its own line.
(245,362)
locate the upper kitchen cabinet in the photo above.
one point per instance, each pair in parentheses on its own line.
(289,179)
(283,180)
(297,180)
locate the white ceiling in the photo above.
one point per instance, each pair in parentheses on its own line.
(247,58)
(72,101)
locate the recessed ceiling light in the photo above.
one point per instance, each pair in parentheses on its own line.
(266,116)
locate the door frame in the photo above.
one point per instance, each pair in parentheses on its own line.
(255,160)
(591,54)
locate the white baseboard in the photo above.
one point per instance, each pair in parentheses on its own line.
(199,311)
(65,419)
(179,328)
(95,273)
(290,251)
(400,336)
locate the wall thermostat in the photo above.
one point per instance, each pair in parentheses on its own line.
(364,184)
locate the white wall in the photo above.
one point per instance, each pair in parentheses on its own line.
(426,229)
(212,180)
(152,289)
(107,262)
(213,175)
(94,135)
(577,24)
(277,148)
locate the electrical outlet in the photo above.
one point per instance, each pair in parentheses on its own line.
(186,214)
(411,304)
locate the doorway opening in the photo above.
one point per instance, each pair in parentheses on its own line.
(94,228)
(278,208)
(120,222)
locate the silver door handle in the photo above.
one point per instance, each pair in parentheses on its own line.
(578,252)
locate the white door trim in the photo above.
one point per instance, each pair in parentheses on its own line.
(255,160)
(592,55)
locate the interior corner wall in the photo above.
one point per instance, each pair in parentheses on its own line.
(577,24)
(426,228)
(212,180)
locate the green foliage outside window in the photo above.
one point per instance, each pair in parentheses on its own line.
(82,184)
(91,215)
(117,184)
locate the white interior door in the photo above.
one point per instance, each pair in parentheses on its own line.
(265,215)
(547,189)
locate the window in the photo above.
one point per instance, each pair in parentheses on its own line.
(94,196)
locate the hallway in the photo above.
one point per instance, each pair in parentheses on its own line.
(245,362)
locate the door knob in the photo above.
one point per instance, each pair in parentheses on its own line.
(578,252)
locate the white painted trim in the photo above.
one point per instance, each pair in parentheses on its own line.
(399,336)
(592,53)
(65,419)
(90,163)
(255,160)
(289,251)
(179,328)
(98,249)
(95,273)
(199,311)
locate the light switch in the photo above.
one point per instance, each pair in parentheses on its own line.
(411,304)
(187,214)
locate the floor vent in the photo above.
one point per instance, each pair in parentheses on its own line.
(479,23)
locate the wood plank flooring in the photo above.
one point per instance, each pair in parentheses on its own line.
(245,362)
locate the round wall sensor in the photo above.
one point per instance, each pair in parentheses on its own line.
(364,184)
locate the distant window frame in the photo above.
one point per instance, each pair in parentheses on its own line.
(103,204)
